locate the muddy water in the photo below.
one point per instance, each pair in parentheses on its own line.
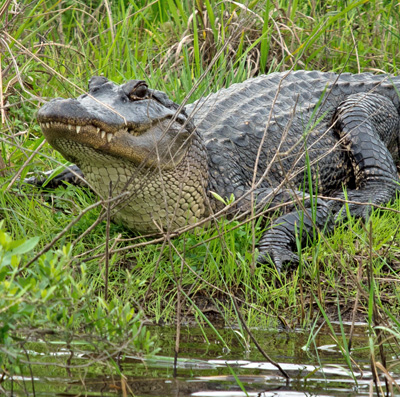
(207,367)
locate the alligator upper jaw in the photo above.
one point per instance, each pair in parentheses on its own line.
(149,145)
(55,128)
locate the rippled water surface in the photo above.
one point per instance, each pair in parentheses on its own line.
(206,367)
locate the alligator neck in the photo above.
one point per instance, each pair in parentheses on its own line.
(158,199)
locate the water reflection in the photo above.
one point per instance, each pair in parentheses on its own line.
(206,368)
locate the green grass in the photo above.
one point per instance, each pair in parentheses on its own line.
(51,49)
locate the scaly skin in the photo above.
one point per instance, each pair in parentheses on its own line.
(258,135)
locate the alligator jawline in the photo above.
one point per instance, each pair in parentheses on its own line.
(57,126)
(50,126)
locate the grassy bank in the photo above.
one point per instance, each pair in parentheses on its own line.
(50,49)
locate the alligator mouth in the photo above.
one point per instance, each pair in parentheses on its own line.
(137,143)
(78,129)
(50,126)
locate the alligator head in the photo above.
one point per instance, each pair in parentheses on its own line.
(128,121)
(134,138)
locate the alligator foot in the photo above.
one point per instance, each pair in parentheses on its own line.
(280,241)
(72,175)
(279,255)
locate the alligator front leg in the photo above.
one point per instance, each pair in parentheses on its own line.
(303,216)
(367,125)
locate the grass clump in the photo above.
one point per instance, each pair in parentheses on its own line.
(45,298)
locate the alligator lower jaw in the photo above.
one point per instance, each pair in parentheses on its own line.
(55,128)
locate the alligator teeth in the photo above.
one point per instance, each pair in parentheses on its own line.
(69,126)
(48,125)
(78,129)
(103,134)
(109,137)
(97,130)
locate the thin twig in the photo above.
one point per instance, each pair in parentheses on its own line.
(107,256)
(353,317)
(260,349)
(154,271)
(2,111)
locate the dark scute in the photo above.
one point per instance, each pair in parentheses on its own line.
(96,82)
(162,98)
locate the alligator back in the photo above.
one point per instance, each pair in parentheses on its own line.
(274,123)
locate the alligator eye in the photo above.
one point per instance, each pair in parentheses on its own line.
(140,91)
(136,90)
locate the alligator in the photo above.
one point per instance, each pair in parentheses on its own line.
(299,143)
